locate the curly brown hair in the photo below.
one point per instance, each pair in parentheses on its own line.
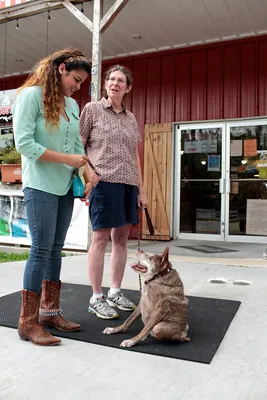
(46,74)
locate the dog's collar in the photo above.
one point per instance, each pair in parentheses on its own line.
(162,273)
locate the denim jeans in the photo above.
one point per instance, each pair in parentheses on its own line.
(48,218)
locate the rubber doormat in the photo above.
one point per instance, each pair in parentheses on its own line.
(209,320)
(208,249)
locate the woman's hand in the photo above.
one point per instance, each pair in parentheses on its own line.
(87,191)
(142,200)
(94,178)
(76,160)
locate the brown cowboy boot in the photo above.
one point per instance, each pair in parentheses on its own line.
(29,327)
(50,312)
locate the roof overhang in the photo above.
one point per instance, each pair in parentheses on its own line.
(143,26)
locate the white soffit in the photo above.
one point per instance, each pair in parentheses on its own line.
(162,25)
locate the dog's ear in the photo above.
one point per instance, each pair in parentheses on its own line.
(165,255)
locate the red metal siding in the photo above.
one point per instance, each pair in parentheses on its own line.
(153,90)
(262,78)
(139,96)
(231,81)
(167,87)
(248,81)
(214,83)
(182,86)
(12,82)
(198,84)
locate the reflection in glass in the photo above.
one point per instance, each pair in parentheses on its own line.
(200,207)
(200,202)
(198,146)
(248,173)
(240,193)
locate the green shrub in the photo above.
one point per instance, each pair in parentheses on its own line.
(10,156)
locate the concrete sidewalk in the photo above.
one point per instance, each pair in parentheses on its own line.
(80,370)
(211,252)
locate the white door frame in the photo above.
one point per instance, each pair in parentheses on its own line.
(224,182)
(177,181)
(228,237)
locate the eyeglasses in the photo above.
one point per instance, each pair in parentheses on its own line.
(119,80)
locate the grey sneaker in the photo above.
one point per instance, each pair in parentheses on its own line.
(101,309)
(120,301)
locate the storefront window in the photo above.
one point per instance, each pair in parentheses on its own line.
(200,199)
(248,178)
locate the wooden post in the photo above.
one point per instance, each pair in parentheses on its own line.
(96,51)
(100,24)
(78,14)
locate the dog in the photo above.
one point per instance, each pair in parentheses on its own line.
(163,305)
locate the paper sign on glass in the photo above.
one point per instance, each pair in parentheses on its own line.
(214,163)
(236,148)
(250,147)
(256,217)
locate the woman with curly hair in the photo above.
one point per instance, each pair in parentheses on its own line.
(46,127)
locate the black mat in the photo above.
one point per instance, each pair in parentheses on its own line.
(208,249)
(208,318)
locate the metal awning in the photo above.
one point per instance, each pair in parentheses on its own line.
(142,26)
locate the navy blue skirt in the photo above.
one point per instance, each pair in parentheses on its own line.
(113,205)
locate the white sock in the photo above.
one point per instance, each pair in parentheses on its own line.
(112,291)
(96,296)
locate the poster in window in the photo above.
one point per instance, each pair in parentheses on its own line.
(236,148)
(5,208)
(256,217)
(250,147)
(14,227)
(214,163)
(19,226)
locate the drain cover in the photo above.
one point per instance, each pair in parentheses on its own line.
(208,249)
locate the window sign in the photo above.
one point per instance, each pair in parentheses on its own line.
(236,148)
(200,146)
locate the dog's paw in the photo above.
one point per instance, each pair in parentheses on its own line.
(109,331)
(127,343)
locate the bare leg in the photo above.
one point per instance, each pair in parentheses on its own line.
(118,258)
(96,255)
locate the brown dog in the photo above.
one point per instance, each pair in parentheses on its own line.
(163,305)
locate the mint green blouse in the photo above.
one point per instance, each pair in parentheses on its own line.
(32,139)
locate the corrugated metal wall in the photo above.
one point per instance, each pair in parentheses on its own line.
(223,80)
(216,81)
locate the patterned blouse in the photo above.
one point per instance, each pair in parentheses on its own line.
(110,141)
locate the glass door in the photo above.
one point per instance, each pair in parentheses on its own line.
(246,181)
(200,176)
